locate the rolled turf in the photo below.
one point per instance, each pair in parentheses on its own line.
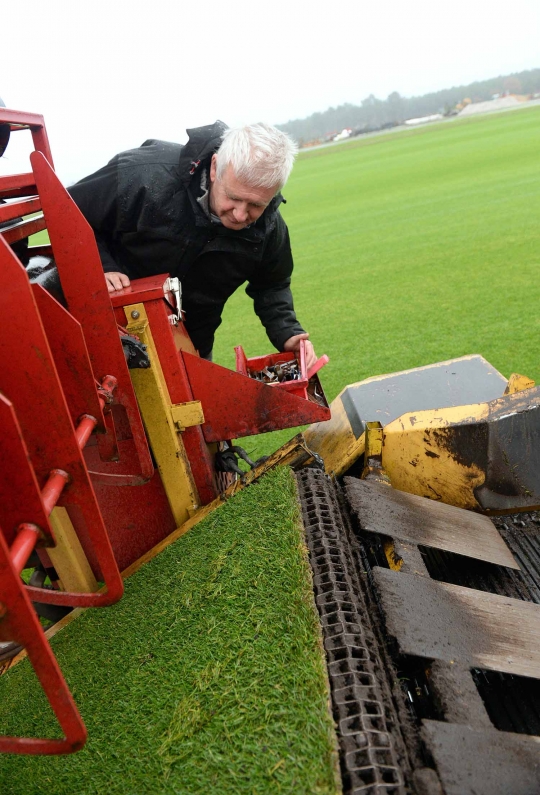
(207,677)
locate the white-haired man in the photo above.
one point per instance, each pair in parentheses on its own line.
(208,213)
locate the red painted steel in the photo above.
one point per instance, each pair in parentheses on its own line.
(23,229)
(43,251)
(10,211)
(20,496)
(84,429)
(140,290)
(34,122)
(17,185)
(262,407)
(70,354)
(85,289)
(29,378)
(19,623)
(319,364)
(247,366)
(53,488)
(23,546)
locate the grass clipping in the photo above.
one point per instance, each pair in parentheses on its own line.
(208,676)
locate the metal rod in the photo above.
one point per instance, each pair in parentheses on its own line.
(23,545)
(84,429)
(53,489)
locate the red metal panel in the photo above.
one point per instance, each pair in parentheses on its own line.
(34,121)
(21,117)
(85,289)
(42,251)
(20,623)
(15,209)
(29,379)
(23,229)
(68,347)
(17,185)
(20,499)
(140,290)
(235,405)
(137,518)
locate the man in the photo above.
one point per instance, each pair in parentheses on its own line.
(208,213)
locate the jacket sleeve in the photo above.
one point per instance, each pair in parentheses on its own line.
(96,197)
(271,291)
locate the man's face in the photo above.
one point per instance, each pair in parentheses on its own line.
(236,204)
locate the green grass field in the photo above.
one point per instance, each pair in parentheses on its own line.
(412,248)
(207,677)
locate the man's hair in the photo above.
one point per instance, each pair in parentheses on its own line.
(260,155)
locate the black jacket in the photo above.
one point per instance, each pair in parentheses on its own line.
(144,212)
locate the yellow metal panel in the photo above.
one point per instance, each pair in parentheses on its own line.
(185,415)
(156,410)
(417,461)
(335,441)
(68,557)
(517,382)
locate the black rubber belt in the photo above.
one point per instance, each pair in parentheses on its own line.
(372,757)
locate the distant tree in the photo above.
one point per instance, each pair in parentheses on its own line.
(372,113)
(512,85)
(395,107)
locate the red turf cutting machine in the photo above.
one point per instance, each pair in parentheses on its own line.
(100,462)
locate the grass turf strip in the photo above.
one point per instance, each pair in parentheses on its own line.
(208,676)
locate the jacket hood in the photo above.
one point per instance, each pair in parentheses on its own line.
(203,142)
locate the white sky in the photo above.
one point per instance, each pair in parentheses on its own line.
(107,74)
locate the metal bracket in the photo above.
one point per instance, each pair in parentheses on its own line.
(172,285)
(185,415)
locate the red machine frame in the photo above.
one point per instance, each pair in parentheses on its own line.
(73,434)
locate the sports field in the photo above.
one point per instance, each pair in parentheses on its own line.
(411,248)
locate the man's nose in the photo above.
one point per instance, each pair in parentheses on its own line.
(241,213)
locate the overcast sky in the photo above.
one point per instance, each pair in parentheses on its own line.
(107,74)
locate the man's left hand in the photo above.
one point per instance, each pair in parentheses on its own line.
(293,345)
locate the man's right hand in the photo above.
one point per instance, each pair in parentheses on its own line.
(116,281)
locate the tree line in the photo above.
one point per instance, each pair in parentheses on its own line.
(374,113)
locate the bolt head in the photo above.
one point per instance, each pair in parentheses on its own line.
(135,315)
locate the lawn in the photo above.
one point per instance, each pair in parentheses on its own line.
(412,248)
(207,677)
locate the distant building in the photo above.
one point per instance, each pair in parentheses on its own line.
(424,119)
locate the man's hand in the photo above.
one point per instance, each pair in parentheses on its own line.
(293,344)
(116,281)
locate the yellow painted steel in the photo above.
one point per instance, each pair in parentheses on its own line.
(334,440)
(160,417)
(417,461)
(374,439)
(517,383)
(68,557)
(185,415)
(394,560)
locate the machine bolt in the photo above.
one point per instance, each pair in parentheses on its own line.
(135,315)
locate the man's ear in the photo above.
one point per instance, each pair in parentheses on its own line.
(213,168)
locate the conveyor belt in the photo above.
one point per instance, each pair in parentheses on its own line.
(443,650)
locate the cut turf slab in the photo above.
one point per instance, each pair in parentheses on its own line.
(208,676)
